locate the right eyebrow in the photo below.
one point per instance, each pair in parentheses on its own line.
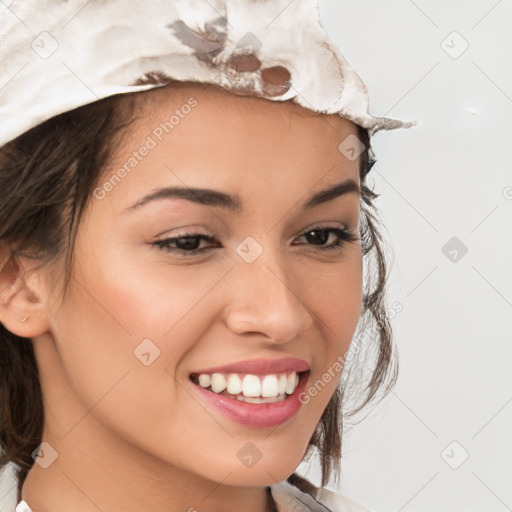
(234,203)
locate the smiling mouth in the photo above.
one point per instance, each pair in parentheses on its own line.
(251,388)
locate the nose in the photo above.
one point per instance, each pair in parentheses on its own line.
(265,300)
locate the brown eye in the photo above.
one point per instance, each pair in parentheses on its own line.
(187,243)
(319,237)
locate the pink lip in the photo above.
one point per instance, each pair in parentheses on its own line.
(260,366)
(255,415)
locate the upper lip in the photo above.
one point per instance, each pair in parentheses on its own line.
(260,366)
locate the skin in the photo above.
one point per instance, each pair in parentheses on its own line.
(130,436)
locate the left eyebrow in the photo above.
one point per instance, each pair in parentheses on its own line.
(234,202)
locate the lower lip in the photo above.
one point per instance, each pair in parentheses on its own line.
(256,415)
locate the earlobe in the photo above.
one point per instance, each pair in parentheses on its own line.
(22,310)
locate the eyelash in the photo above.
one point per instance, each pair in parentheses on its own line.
(344,236)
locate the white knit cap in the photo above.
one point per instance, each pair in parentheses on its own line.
(58,55)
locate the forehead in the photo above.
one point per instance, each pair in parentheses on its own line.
(203,136)
(230,113)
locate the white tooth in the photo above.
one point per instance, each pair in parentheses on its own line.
(204,380)
(290,383)
(296,379)
(218,382)
(269,386)
(254,400)
(277,398)
(234,384)
(258,400)
(251,385)
(282,384)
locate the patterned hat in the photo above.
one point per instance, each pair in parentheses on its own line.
(58,55)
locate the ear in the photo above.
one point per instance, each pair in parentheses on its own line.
(21,296)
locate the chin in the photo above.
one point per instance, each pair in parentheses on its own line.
(257,476)
(262,468)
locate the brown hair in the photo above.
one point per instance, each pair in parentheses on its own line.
(47,176)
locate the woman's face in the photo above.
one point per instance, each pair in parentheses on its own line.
(141,320)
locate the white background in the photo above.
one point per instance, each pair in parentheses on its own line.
(445,178)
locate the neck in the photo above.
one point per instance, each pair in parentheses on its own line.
(91,478)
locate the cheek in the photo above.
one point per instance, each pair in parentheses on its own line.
(107,313)
(337,293)
(123,316)
(146,296)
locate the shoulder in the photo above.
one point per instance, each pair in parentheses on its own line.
(297,492)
